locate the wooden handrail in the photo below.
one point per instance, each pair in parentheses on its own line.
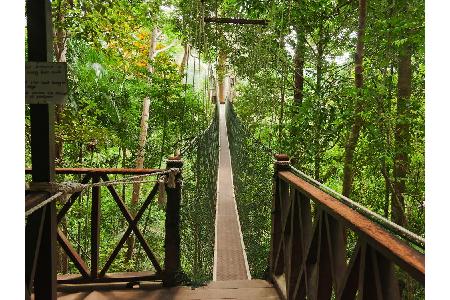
(93,273)
(309,254)
(393,248)
(101,171)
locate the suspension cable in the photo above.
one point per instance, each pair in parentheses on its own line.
(387,224)
(67,188)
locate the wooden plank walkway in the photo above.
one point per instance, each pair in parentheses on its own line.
(230,261)
(234,289)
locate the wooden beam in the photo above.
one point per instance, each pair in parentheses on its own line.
(101,171)
(33,245)
(172,240)
(73,255)
(235,21)
(129,229)
(95,227)
(108,278)
(132,227)
(39,31)
(409,259)
(71,200)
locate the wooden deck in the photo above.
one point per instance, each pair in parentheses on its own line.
(232,289)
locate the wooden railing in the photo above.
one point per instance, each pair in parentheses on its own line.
(99,274)
(310,253)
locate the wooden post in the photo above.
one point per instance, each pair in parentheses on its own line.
(39,31)
(282,164)
(95,227)
(172,265)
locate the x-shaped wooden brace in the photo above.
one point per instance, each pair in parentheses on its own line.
(63,240)
(285,207)
(131,227)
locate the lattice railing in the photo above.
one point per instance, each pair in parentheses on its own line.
(323,249)
(92,271)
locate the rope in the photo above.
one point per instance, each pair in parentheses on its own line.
(387,224)
(200,158)
(191,143)
(65,189)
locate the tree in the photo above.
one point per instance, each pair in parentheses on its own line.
(353,136)
(402,131)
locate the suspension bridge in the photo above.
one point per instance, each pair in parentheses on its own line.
(322,245)
(310,242)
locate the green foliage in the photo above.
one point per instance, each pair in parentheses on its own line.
(314,132)
(107,54)
(252,178)
(106,47)
(198,208)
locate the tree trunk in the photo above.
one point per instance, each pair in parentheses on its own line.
(299,63)
(184,61)
(318,90)
(122,221)
(142,138)
(221,74)
(280,121)
(60,50)
(353,137)
(386,129)
(163,139)
(402,134)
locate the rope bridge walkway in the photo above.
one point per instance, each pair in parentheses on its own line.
(307,240)
(230,261)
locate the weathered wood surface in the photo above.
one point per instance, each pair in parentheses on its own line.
(309,251)
(235,289)
(396,250)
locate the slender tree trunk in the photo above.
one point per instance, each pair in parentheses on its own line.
(402,134)
(163,139)
(386,129)
(60,50)
(319,64)
(142,137)
(353,137)
(299,63)
(280,121)
(318,90)
(221,74)
(187,50)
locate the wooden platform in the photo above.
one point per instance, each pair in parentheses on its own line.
(232,289)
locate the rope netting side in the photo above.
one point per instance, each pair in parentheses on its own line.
(252,165)
(200,159)
(252,171)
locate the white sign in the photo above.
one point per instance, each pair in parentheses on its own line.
(45,82)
